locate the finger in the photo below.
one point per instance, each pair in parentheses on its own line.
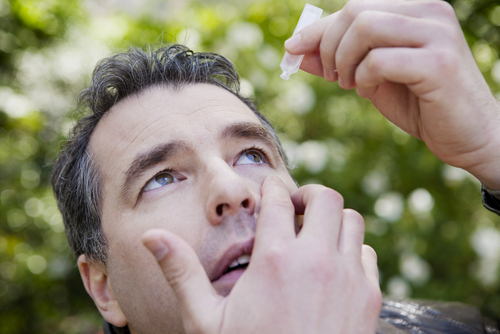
(307,40)
(185,274)
(352,233)
(277,214)
(369,263)
(315,36)
(310,37)
(409,66)
(322,209)
(312,63)
(375,29)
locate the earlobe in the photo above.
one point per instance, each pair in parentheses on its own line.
(96,282)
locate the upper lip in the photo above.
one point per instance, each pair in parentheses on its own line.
(232,253)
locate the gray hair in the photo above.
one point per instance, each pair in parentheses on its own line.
(75,178)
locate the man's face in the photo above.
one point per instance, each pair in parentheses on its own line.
(191,162)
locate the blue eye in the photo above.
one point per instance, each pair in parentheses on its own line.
(160,180)
(250,157)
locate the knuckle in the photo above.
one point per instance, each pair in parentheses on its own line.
(353,8)
(446,61)
(322,270)
(279,203)
(355,216)
(363,23)
(275,256)
(441,8)
(374,62)
(332,195)
(177,276)
(369,251)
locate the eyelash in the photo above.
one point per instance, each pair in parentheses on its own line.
(252,148)
(265,155)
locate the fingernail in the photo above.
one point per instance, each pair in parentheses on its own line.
(341,83)
(158,248)
(293,42)
(327,75)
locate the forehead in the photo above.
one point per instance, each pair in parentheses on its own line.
(196,114)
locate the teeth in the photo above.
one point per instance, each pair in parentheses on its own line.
(233,264)
(244,259)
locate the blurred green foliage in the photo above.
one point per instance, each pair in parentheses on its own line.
(425,220)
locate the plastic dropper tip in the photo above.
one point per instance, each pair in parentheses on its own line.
(285,75)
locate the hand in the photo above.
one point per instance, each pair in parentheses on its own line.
(411,60)
(323,280)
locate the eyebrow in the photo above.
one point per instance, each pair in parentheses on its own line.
(144,161)
(248,130)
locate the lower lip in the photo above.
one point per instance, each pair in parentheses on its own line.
(226,282)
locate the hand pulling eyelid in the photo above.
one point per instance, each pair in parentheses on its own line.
(290,63)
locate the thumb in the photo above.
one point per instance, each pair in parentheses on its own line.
(197,298)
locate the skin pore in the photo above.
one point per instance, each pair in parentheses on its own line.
(191,162)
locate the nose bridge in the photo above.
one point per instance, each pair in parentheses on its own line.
(228,192)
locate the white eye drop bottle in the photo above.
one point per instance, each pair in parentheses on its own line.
(290,63)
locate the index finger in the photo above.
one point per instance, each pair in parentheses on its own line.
(277,213)
(325,35)
(323,209)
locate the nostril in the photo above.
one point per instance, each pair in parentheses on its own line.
(245,203)
(218,209)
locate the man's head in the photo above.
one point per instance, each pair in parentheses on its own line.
(169,143)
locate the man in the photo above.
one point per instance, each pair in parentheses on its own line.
(172,155)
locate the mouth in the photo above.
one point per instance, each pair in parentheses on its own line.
(240,263)
(231,266)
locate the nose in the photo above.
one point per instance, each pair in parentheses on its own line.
(228,193)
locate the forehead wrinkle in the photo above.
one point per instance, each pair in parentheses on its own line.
(145,161)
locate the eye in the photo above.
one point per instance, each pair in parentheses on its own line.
(251,157)
(160,180)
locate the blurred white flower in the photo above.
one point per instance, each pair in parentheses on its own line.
(36,264)
(190,38)
(398,287)
(246,88)
(339,154)
(268,57)
(291,148)
(486,242)
(483,54)
(414,268)
(112,27)
(495,71)
(244,35)
(15,105)
(420,201)
(34,207)
(453,176)
(486,271)
(300,97)
(374,183)
(313,155)
(389,206)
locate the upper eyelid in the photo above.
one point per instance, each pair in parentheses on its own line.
(262,150)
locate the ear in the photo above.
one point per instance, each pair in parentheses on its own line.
(98,286)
